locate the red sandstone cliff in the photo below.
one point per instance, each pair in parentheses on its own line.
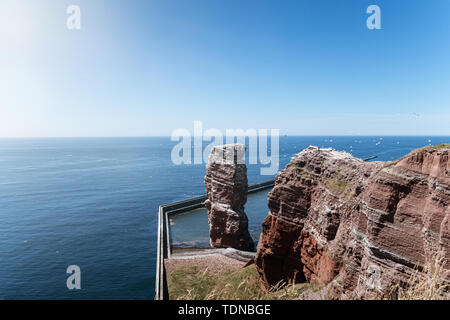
(355,227)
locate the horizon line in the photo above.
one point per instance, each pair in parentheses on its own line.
(192,136)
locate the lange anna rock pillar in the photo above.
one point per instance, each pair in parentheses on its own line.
(226,188)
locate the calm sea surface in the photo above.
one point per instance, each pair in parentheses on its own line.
(93,203)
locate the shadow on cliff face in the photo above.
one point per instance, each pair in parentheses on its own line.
(283,261)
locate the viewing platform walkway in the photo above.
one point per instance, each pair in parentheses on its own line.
(165,249)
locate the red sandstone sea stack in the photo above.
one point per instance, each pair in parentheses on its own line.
(354,227)
(226,189)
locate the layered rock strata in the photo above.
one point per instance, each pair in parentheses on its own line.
(356,228)
(226,189)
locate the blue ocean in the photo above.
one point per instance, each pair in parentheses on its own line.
(93,202)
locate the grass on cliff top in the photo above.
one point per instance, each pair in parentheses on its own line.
(420,150)
(334,184)
(430,148)
(196,283)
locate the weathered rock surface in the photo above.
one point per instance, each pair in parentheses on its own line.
(355,227)
(226,188)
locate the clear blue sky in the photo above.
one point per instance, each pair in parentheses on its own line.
(139,68)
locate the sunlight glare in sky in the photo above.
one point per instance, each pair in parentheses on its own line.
(19,25)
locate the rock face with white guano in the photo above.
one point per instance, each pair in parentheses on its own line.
(226,188)
(356,228)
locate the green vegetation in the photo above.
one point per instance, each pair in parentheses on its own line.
(335,185)
(189,282)
(339,187)
(420,150)
(195,283)
(431,148)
